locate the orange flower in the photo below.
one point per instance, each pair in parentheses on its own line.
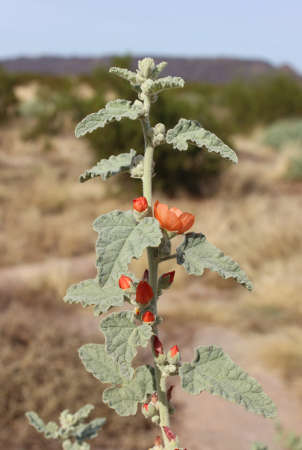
(173,219)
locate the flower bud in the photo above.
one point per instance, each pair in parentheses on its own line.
(125,282)
(158,441)
(159,128)
(166,280)
(148,316)
(155,419)
(148,410)
(144,293)
(146,275)
(140,204)
(169,433)
(157,346)
(173,354)
(154,398)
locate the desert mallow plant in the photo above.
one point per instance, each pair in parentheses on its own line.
(124,235)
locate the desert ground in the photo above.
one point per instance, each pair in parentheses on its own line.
(47,243)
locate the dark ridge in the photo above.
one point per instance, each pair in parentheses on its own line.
(211,70)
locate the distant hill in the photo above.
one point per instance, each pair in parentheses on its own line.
(212,70)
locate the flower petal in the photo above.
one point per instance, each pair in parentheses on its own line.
(187,221)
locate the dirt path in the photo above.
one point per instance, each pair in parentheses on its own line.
(203,422)
(211,423)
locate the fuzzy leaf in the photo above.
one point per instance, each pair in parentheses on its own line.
(108,167)
(126,74)
(114,110)
(197,254)
(83,413)
(123,336)
(190,131)
(89,292)
(68,445)
(35,421)
(121,238)
(99,363)
(50,430)
(89,430)
(158,69)
(154,87)
(124,399)
(214,371)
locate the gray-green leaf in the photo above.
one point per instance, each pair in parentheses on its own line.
(99,363)
(89,292)
(196,254)
(123,336)
(124,399)
(121,238)
(156,86)
(214,371)
(190,131)
(126,74)
(114,110)
(111,166)
(50,430)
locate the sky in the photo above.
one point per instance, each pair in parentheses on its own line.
(264,29)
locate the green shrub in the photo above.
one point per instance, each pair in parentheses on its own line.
(8,100)
(284,132)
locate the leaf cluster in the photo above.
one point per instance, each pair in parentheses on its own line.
(72,431)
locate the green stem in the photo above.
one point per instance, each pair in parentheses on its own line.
(160,380)
(166,258)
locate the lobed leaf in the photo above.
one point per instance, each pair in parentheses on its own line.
(196,254)
(89,430)
(108,167)
(123,336)
(190,131)
(90,293)
(214,371)
(124,399)
(50,430)
(99,363)
(156,86)
(69,445)
(126,74)
(121,238)
(114,110)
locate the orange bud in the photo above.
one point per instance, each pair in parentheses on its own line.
(173,351)
(144,293)
(169,433)
(125,282)
(146,406)
(158,441)
(170,276)
(148,316)
(157,346)
(146,275)
(140,204)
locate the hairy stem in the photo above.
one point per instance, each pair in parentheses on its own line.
(153,266)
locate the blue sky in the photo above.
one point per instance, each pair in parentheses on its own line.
(265,29)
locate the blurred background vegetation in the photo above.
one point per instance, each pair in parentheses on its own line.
(252,212)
